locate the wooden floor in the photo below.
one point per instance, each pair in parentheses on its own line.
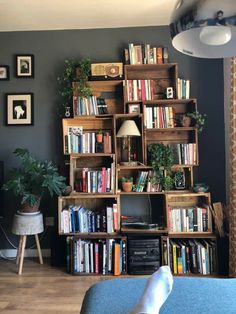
(41,289)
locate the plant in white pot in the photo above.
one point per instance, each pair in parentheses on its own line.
(33,180)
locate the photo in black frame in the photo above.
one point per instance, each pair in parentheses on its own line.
(25,66)
(19,109)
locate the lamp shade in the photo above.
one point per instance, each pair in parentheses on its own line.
(128,128)
(204,28)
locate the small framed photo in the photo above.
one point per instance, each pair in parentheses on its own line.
(134,108)
(19,109)
(24,66)
(4,73)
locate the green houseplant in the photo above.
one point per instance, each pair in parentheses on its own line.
(33,179)
(161,158)
(74,71)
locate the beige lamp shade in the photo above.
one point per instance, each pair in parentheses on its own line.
(128,128)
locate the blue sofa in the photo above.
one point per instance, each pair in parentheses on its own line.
(190,295)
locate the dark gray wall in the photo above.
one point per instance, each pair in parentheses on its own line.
(51,48)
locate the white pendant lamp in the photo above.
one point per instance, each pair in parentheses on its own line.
(204,28)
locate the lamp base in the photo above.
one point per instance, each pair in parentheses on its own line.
(129,163)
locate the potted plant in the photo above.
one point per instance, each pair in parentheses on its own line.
(33,179)
(99,136)
(161,158)
(73,71)
(83,70)
(194,118)
(127,184)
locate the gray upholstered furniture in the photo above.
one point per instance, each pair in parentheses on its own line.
(189,296)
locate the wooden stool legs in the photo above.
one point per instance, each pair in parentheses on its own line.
(21,252)
(39,249)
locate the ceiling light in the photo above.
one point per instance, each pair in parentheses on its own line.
(204,28)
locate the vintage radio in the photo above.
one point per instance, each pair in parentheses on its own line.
(107,69)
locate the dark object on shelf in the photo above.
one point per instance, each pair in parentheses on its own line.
(99,148)
(143,256)
(67,190)
(200,188)
(179,179)
(102,106)
(140,225)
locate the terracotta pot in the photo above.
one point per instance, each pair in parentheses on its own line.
(26,208)
(99,137)
(127,186)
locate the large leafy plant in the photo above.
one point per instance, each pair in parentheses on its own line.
(34,179)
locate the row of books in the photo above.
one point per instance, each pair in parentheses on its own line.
(140,90)
(187,256)
(145,54)
(159,117)
(183,88)
(77,141)
(76,218)
(193,219)
(96,180)
(102,256)
(185,153)
(91,105)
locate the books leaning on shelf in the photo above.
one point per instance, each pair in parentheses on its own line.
(145,54)
(183,88)
(80,142)
(187,256)
(77,219)
(91,105)
(159,117)
(95,180)
(185,153)
(100,256)
(140,90)
(191,219)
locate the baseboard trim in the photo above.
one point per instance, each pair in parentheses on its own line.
(28,253)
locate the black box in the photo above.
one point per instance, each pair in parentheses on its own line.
(143,256)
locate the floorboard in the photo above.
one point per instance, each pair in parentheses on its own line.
(41,288)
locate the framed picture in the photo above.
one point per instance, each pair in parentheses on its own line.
(19,109)
(25,66)
(4,73)
(134,108)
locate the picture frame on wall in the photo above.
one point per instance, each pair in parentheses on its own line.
(25,66)
(19,109)
(4,73)
(133,108)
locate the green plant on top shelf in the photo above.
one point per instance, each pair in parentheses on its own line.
(68,76)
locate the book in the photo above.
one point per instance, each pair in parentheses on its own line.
(117,259)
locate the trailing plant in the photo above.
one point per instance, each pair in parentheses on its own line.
(198,119)
(65,84)
(68,76)
(83,68)
(34,179)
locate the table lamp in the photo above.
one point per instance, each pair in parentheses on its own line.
(128,129)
